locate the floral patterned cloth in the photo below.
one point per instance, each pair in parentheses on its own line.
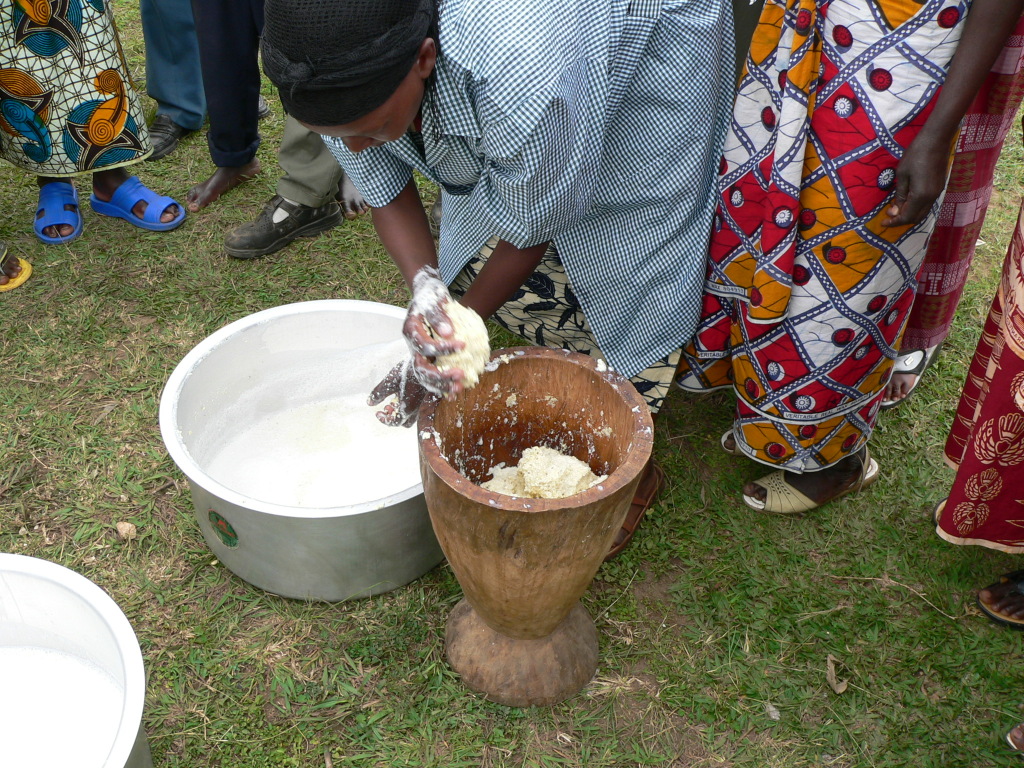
(807,291)
(66,105)
(986,444)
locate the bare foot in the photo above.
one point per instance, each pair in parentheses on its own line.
(10,268)
(57,230)
(352,203)
(222,180)
(105,184)
(822,486)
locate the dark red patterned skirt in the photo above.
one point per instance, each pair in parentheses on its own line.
(986,444)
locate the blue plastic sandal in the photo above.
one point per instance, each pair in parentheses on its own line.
(53,196)
(125,198)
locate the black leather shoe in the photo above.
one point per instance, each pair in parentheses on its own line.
(164,134)
(263,237)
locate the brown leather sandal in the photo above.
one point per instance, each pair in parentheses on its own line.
(651,483)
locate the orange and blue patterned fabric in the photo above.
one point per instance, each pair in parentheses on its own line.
(66,104)
(807,292)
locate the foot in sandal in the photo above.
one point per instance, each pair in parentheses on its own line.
(652,480)
(1015,738)
(58,219)
(13,271)
(116,194)
(1003,602)
(785,492)
(907,371)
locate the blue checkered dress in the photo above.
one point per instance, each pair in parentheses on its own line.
(593,124)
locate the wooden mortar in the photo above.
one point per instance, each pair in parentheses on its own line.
(520,636)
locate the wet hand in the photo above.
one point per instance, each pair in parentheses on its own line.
(408,394)
(428,328)
(430,333)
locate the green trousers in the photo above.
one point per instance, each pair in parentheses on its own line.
(311,174)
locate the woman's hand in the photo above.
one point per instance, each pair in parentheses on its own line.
(920,179)
(921,174)
(401,384)
(428,329)
(429,334)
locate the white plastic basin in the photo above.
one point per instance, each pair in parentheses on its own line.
(72,682)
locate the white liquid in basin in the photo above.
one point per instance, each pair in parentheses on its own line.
(56,710)
(330,453)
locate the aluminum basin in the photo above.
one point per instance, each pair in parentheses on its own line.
(296,487)
(73,679)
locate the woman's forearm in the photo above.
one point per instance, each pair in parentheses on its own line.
(986,31)
(921,174)
(403,229)
(505,271)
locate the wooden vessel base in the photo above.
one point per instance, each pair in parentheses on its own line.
(522,672)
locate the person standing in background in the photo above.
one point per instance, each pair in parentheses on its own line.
(174,78)
(838,149)
(313,195)
(986,443)
(947,263)
(67,109)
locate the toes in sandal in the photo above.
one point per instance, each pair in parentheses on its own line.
(784,499)
(125,198)
(51,211)
(14,282)
(647,491)
(735,450)
(915,363)
(1010,584)
(1015,738)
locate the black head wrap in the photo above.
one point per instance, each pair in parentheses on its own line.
(334,61)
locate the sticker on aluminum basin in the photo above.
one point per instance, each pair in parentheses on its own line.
(223,529)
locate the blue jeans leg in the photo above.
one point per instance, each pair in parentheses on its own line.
(174,78)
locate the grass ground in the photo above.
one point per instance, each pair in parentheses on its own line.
(718,627)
